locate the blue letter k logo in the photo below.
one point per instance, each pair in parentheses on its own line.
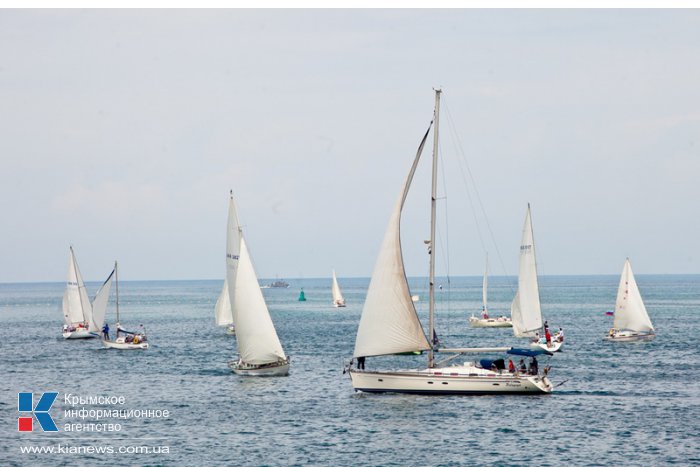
(41,411)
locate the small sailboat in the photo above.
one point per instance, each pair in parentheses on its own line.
(259,348)
(525,310)
(125,340)
(631,322)
(486,321)
(338,300)
(223,311)
(389,324)
(302,296)
(77,309)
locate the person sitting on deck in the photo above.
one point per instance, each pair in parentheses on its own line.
(522,366)
(484,314)
(511,367)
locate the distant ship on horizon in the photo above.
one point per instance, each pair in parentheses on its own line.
(278,284)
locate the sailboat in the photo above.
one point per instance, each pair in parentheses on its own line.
(485,321)
(338,300)
(525,310)
(389,324)
(631,322)
(259,348)
(125,340)
(77,309)
(223,311)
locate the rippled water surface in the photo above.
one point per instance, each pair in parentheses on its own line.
(619,403)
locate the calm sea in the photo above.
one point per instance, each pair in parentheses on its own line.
(636,404)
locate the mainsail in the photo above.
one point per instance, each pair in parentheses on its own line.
(389,322)
(525,309)
(255,333)
(76,304)
(630,312)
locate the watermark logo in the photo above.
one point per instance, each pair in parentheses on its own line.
(25,404)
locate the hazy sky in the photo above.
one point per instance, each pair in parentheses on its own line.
(122,132)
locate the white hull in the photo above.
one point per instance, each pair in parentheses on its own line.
(121,344)
(490,322)
(80,333)
(270,369)
(465,380)
(339,304)
(630,336)
(554,346)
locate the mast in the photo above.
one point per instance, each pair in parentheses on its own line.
(433,211)
(116,277)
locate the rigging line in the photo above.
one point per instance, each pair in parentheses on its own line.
(446,253)
(476,191)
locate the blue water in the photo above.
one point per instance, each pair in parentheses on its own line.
(619,403)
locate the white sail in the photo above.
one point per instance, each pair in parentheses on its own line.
(99,305)
(255,334)
(389,322)
(525,309)
(223,312)
(335,290)
(76,304)
(630,312)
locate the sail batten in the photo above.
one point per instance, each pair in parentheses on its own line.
(630,312)
(389,323)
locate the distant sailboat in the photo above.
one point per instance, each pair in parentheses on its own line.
(125,340)
(338,300)
(223,311)
(486,321)
(525,309)
(389,324)
(631,322)
(77,309)
(259,348)
(302,296)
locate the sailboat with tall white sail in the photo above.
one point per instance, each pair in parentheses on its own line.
(487,321)
(525,309)
(223,311)
(631,322)
(125,340)
(259,348)
(77,309)
(338,300)
(389,324)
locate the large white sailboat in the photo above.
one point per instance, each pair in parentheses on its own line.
(525,309)
(338,300)
(125,340)
(259,348)
(223,311)
(390,325)
(486,321)
(77,309)
(631,322)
